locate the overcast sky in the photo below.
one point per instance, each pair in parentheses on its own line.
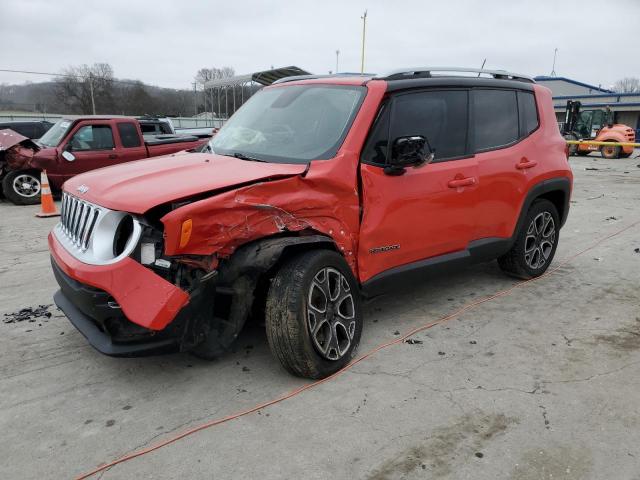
(165,42)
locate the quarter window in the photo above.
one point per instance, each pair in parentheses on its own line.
(439,116)
(528,113)
(93,137)
(495,121)
(128,135)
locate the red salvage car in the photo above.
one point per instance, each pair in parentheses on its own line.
(318,192)
(76,145)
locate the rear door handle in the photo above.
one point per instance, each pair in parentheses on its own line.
(462,182)
(112,156)
(525,163)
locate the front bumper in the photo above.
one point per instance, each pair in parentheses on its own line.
(123,309)
(95,314)
(144,297)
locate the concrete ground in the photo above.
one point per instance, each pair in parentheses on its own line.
(539,384)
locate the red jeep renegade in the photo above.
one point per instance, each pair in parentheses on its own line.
(318,192)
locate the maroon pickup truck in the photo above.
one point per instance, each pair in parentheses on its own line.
(78,144)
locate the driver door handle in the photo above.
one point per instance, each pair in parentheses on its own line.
(462,182)
(112,156)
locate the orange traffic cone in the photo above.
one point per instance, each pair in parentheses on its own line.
(47,207)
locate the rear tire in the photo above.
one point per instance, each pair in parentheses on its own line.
(535,244)
(313,314)
(22,187)
(610,152)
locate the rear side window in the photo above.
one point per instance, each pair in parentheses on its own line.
(128,135)
(439,116)
(495,122)
(528,113)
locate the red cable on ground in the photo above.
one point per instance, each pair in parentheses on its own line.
(364,356)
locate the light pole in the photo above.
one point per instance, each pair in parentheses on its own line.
(553,69)
(337,59)
(364,29)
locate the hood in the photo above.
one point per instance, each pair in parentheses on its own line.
(139,186)
(9,138)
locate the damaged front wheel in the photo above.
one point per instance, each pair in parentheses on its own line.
(22,187)
(313,314)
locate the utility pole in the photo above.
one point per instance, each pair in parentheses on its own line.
(553,69)
(364,29)
(93,101)
(337,60)
(195,99)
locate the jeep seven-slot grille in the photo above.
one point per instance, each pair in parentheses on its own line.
(78,220)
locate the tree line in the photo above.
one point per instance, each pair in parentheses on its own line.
(84,89)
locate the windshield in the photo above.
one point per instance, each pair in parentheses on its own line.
(55,134)
(292,124)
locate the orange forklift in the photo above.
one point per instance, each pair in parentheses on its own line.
(596,125)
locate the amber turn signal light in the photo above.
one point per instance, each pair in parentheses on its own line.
(185,232)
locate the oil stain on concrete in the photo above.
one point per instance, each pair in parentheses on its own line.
(436,453)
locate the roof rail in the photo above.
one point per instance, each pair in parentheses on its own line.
(295,78)
(426,72)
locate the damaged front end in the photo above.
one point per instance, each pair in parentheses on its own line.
(16,151)
(128,297)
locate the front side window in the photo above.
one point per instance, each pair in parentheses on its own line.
(495,122)
(377,146)
(291,124)
(439,116)
(93,137)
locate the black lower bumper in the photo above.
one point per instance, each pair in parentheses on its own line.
(103,342)
(96,315)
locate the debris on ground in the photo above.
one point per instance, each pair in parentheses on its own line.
(591,168)
(473,342)
(28,314)
(413,341)
(611,218)
(637,250)
(441,353)
(593,198)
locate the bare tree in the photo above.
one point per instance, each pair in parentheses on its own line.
(627,85)
(206,74)
(87,89)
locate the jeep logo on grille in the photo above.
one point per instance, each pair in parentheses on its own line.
(83,189)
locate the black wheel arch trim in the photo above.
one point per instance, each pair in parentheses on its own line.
(559,184)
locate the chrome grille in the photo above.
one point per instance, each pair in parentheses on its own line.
(78,219)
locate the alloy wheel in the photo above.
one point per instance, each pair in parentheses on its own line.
(26,185)
(540,240)
(331,313)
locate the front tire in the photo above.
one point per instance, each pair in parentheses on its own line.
(313,314)
(535,244)
(573,148)
(22,187)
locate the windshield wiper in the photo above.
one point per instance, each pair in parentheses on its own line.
(242,156)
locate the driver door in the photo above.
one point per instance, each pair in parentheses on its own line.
(93,147)
(428,210)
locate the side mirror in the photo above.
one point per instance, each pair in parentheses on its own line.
(68,156)
(409,151)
